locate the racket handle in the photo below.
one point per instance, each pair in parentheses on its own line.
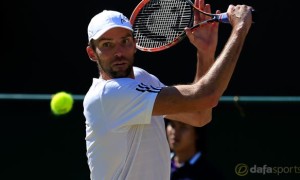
(223,18)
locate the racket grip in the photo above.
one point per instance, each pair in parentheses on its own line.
(223,17)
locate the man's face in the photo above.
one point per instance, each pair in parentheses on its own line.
(115,51)
(181,136)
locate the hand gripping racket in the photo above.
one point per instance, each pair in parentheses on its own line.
(159,24)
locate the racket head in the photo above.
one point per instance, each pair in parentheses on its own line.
(159,24)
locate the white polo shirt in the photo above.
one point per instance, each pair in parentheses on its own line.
(123,140)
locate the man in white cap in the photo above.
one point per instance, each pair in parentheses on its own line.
(125,107)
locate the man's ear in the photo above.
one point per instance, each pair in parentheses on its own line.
(91,53)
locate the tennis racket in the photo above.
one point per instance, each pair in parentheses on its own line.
(159,24)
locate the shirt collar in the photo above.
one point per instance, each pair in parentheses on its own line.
(193,159)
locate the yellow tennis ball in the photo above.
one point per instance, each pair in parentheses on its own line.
(61,103)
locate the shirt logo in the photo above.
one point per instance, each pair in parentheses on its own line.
(142,88)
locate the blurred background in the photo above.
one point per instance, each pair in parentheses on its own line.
(43,52)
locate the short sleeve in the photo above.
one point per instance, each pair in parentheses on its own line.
(126,101)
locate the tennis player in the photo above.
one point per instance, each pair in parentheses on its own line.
(125,106)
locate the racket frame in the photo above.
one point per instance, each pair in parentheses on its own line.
(214,18)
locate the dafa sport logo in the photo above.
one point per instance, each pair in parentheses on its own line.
(243,169)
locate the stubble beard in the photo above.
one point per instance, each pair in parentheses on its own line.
(116,74)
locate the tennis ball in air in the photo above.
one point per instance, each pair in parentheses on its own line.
(61,103)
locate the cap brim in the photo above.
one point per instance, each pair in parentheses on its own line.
(100,33)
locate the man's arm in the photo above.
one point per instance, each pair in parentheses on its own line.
(205,40)
(205,93)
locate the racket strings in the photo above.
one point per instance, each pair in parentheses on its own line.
(161,21)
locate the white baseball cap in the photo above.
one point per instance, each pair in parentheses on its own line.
(106,20)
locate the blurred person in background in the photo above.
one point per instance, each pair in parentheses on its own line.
(188,145)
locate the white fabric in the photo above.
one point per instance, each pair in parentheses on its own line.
(106,20)
(123,140)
